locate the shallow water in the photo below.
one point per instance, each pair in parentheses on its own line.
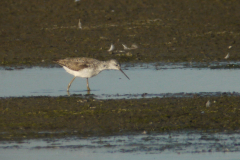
(180,145)
(155,81)
(59,154)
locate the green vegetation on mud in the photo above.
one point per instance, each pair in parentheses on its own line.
(25,117)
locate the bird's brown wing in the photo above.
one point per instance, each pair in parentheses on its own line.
(73,64)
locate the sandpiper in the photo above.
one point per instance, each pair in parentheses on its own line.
(87,67)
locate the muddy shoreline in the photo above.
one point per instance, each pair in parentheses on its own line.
(38,117)
(38,32)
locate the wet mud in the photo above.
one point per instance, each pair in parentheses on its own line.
(37,117)
(38,32)
(155,143)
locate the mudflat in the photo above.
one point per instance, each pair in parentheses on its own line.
(37,32)
(36,117)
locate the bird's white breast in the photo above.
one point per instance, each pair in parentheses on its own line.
(84,73)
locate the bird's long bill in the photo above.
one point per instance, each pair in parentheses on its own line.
(124,74)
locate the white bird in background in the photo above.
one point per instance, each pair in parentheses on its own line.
(111,48)
(134,46)
(79,24)
(227,56)
(208,103)
(125,47)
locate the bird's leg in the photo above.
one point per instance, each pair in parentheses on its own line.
(88,85)
(68,93)
(69,85)
(88,92)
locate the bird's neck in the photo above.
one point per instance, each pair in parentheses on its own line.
(104,65)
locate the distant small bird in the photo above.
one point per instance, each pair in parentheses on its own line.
(208,103)
(87,67)
(79,24)
(227,56)
(125,47)
(111,48)
(134,46)
(229,47)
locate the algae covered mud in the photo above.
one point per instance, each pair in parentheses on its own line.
(65,116)
(37,32)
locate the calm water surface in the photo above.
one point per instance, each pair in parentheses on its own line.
(113,84)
